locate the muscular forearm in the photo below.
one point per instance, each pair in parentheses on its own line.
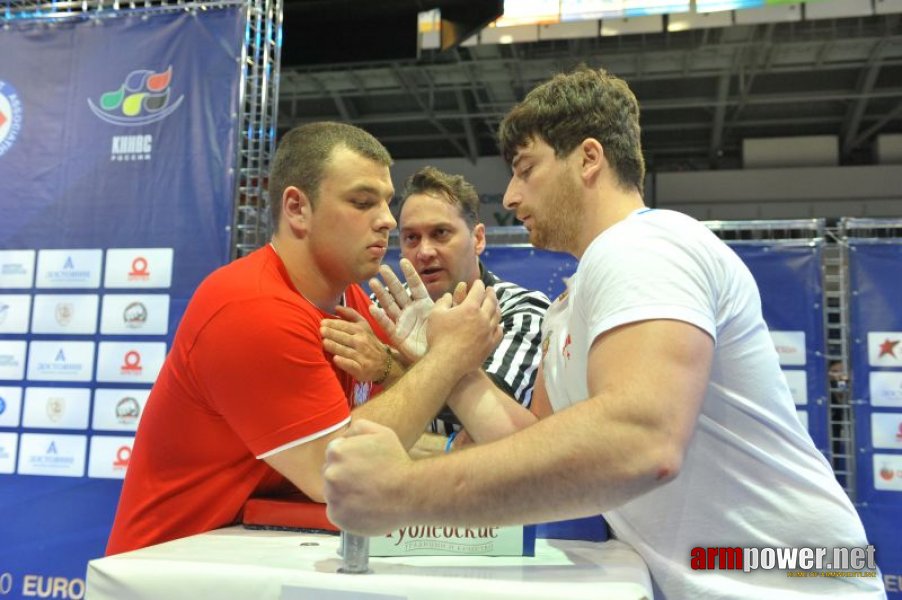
(528,477)
(396,369)
(415,399)
(486,412)
(429,444)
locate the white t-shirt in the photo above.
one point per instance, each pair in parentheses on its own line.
(751,476)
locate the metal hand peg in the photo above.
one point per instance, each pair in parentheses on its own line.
(355,553)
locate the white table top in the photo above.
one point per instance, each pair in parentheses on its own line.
(239,563)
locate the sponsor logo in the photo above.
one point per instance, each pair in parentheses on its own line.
(888,348)
(69,272)
(10,116)
(139,270)
(887,472)
(565,351)
(123,454)
(14,312)
(59,367)
(52,458)
(142,98)
(42,586)
(454,539)
(67,269)
(16,268)
(886,388)
(784,350)
(63,313)
(9,360)
(885,348)
(2,405)
(131,147)
(128,410)
(131,363)
(13,269)
(886,430)
(12,356)
(69,314)
(110,457)
(135,315)
(56,408)
(138,267)
(790,346)
(126,314)
(51,455)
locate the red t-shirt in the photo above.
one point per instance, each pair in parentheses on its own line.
(246,374)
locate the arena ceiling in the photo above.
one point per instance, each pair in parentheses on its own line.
(701,91)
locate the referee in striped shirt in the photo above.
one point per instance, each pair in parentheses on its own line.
(441,235)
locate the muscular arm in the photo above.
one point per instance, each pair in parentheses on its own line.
(646,382)
(408,405)
(488,403)
(486,412)
(430,381)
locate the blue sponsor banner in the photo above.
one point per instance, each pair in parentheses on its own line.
(533,269)
(881,521)
(789,278)
(875,320)
(117,156)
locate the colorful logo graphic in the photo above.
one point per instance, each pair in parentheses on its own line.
(131,363)
(56,408)
(128,410)
(139,269)
(143,98)
(64,312)
(135,315)
(123,455)
(888,347)
(10,116)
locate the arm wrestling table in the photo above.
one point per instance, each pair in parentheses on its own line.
(238,563)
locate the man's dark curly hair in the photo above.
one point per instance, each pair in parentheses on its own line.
(570,107)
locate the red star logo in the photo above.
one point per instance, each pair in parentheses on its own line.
(888,347)
(3,119)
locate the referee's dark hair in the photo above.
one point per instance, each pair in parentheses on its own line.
(454,189)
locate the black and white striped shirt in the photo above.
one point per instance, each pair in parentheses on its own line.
(514,363)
